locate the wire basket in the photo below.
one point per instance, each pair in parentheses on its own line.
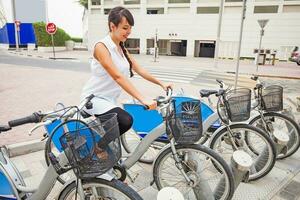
(185,122)
(238,104)
(271,98)
(94,148)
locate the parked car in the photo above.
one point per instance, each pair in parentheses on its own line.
(295,56)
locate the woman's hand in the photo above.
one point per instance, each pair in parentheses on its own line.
(166,86)
(151,105)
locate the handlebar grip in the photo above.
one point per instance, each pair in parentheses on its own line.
(34,118)
(146,107)
(89,98)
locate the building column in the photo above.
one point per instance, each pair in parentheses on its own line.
(190,48)
(143,45)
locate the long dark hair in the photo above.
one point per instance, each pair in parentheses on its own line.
(115,16)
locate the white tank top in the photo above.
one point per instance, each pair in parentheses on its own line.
(101,84)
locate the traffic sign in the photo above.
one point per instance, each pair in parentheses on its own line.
(51,28)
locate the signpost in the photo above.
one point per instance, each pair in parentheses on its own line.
(17,33)
(51,30)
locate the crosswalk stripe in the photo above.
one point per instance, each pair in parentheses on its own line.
(171,74)
(169,79)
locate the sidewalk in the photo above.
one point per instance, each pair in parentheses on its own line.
(26,89)
(281,69)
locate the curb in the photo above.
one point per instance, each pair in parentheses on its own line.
(22,148)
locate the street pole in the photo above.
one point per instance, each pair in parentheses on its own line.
(240,44)
(14,19)
(262,23)
(155,46)
(259,48)
(218,35)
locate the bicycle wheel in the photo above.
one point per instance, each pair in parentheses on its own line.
(130,140)
(197,161)
(263,159)
(101,189)
(279,122)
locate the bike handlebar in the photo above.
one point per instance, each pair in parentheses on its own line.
(33,118)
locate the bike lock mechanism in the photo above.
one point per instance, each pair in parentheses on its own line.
(280,140)
(240,166)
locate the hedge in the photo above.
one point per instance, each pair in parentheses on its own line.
(76,39)
(44,39)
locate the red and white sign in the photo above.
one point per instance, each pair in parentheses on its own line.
(51,28)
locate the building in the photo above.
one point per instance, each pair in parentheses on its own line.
(28,11)
(189,27)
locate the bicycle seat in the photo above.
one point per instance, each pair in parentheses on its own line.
(207,93)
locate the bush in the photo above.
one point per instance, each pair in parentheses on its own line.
(44,39)
(76,39)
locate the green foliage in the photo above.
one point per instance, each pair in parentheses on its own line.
(76,39)
(44,39)
(84,3)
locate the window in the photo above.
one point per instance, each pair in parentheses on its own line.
(155,11)
(106,11)
(129,2)
(233,0)
(207,10)
(291,8)
(265,9)
(179,1)
(96,2)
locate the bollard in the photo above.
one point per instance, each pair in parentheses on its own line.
(240,165)
(280,140)
(241,162)
(169,193)
(201,189)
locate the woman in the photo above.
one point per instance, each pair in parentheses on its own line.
(111,65)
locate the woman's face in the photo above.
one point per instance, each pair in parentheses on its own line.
(122,31)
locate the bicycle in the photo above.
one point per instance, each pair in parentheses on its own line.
(90,183)
(269,103)
(211,128)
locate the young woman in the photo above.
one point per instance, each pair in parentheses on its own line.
(111,67)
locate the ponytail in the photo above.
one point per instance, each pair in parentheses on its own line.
(127,57)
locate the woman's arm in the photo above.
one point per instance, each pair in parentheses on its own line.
(145,74)
(103,56)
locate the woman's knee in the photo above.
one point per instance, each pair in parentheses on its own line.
(125,122)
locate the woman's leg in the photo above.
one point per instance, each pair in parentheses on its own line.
(125,122)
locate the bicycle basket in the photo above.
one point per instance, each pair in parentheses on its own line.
(238,104)
(271,98)
(185,122)
(94,148)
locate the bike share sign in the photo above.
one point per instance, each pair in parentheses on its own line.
(51,30)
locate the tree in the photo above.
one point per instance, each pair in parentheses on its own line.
(84,3)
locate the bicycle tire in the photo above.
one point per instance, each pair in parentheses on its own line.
(130,141)
(121,190)
(261,166)
(294,136)
(209,156)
